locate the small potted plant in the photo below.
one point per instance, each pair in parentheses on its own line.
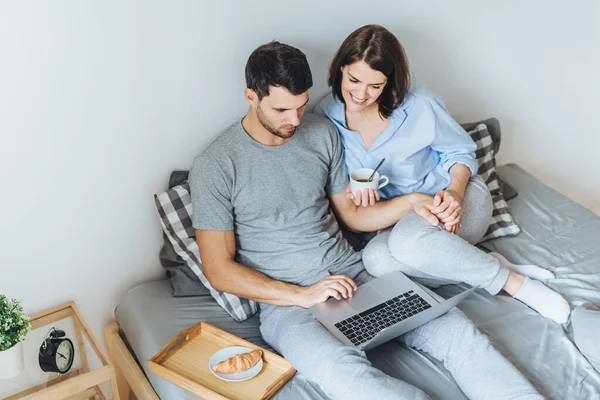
(14,325)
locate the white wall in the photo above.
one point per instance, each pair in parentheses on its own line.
(99,101)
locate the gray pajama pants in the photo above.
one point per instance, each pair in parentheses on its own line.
(435,257)
(344,372)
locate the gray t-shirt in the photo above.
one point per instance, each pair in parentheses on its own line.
(275,200)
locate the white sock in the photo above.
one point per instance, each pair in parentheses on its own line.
(544,300)
(532,271)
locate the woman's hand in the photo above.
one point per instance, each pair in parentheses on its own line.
(421,205)
(454,228)
(446,207)
(367,197)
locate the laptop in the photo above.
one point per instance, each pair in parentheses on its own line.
(381,310)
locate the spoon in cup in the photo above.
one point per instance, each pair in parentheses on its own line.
(375,170)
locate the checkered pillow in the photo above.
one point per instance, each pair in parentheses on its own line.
(502,223)
(175,210)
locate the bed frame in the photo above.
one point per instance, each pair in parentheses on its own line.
(130,377)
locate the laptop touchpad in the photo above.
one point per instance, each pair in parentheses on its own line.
(364,297)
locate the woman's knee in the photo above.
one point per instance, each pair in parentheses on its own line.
(408,237)
(376,251)
(478,197)
(477,208)
(485,202)
(378,259)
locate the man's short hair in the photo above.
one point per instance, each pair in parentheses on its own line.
(382,51)
(278,64)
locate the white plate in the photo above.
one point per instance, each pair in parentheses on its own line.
(229,352)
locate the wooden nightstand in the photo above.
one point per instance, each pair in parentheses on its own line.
(78,383)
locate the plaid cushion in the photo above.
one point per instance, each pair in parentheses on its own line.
(175,210)
(502,223)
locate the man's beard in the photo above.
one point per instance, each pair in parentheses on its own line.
(265,123)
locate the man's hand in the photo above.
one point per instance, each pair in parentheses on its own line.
(366,197)
(421,205)
(337,286)
(446,207)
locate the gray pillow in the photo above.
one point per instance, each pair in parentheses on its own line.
(183,280)
(493,128)
(501,223)
(175,210)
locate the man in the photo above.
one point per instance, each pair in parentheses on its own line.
(263,194)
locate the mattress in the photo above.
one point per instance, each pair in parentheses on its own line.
(556,233)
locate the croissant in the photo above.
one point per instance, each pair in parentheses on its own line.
(238,363)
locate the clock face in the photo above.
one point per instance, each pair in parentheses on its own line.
(64,356)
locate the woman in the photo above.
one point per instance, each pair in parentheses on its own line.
(429,157)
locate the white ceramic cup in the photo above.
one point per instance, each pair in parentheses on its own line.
(362,174)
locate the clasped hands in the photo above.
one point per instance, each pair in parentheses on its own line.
(444,207)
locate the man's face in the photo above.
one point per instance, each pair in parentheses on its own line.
(280,112)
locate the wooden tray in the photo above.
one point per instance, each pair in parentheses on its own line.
(184,361)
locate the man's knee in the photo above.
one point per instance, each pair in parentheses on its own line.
(456,317)
(331,366)
(463,330)
(445,335)
(334,368)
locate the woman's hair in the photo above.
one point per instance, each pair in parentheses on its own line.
(278,64)
(382,51)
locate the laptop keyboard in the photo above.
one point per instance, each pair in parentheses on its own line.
(362,327)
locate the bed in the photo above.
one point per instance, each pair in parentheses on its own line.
(556,233)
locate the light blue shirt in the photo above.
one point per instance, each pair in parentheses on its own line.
(420,144)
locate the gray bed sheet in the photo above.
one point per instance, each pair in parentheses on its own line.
(557,234)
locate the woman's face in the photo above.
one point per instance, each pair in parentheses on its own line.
(361,86)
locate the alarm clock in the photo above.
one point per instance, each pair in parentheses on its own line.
(56,352)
